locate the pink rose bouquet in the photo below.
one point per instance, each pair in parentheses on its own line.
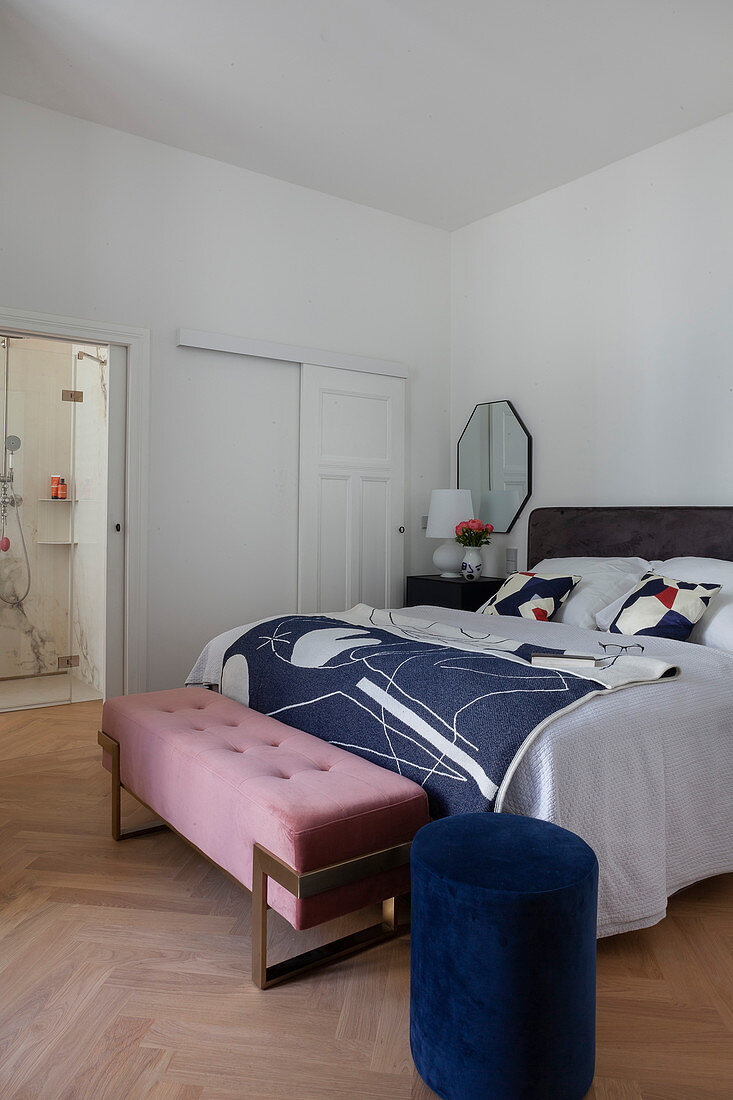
(472,532)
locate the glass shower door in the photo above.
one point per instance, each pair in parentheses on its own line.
(36,640)
(88,580)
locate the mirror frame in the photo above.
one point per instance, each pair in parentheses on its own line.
(523,426)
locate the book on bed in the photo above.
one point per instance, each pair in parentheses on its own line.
(565,660)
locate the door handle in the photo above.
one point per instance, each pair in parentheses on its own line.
(118,527)
(401,530)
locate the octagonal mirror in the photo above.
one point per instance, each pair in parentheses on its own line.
(495,463)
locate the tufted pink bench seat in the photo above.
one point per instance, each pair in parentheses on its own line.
(235,783)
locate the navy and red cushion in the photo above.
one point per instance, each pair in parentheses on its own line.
(530,595)
(661,607)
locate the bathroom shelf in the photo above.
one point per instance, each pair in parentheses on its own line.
(55,542)
(56,500)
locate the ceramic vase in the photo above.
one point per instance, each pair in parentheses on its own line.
(471,564)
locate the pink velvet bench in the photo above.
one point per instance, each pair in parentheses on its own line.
(331,831)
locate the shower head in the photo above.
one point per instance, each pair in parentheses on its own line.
(12,443)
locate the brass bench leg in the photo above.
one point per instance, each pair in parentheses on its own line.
(266,866)
(118,833)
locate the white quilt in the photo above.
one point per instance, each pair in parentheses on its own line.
(645,775)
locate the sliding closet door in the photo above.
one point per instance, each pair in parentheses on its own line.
(352,485)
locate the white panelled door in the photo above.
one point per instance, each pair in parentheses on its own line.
(509,459)
(352,488)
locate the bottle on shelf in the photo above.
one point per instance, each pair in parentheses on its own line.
(62,489)
(55,479)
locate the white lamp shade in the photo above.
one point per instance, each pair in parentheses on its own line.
(447,508)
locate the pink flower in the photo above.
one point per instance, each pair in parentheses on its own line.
(472,532)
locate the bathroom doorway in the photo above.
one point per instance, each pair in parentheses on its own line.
(62,461)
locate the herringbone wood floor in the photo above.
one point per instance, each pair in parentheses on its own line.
(124,968)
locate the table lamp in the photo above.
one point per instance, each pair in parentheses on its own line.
(447,508)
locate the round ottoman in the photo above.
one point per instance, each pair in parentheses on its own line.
(503,959)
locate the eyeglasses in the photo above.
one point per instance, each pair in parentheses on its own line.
(612,651)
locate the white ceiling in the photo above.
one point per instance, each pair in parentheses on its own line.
(440,110)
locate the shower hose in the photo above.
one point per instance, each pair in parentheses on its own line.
(17,601)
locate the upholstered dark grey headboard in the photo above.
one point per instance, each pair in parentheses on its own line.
(657,532)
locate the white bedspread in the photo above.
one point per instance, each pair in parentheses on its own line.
(645,775)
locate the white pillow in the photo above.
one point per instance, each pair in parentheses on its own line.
(602,580)
(715,628)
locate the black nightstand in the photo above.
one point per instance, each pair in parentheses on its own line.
(439,591)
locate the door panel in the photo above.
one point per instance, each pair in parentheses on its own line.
(350,548)
(509,450)
(333,546)
(375,517)
(354,427)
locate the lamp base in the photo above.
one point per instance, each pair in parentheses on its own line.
(447,558)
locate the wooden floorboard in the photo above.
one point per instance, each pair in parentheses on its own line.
(124,968)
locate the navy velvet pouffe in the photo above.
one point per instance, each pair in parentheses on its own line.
(503,968)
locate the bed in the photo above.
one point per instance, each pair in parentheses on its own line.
(644,774)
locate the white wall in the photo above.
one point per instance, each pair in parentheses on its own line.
(97,223)
(604,311)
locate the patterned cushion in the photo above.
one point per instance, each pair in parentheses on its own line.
(531,595)
(663,608)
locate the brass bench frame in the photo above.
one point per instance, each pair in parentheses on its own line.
(301,884)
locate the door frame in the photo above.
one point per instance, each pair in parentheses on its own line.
(137,446)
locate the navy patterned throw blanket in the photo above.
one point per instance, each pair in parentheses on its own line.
(452,709)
